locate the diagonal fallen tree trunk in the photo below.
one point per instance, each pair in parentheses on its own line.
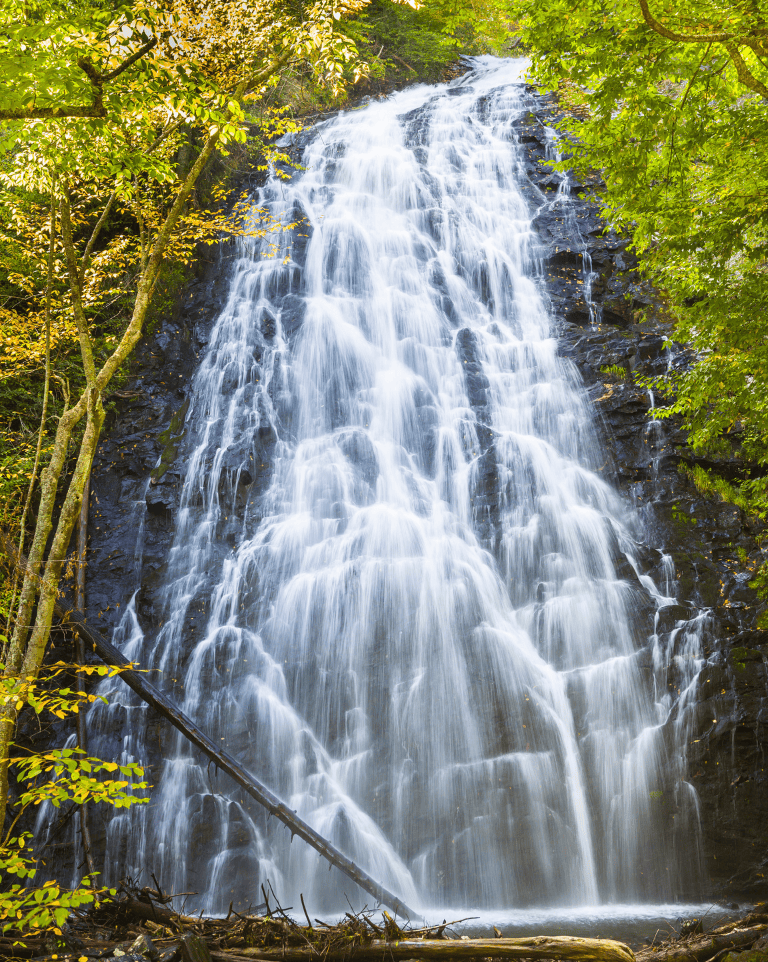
(561,947)
(227,763)
(221,758)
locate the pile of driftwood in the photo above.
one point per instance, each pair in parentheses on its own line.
(139,925)
(714,945)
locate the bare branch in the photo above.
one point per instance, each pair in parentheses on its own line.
(53,113)
(94,236)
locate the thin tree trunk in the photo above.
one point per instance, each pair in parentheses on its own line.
(26,656)
(48,485)
(82,732)
(46,394)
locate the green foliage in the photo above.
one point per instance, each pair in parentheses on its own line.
(426,39)
(44,907)
(413,36)
(710,483)
(59,777)
(669,100)
(615,370)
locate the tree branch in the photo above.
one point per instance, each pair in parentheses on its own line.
(654,24)
(245,85)
(75,288)
(130,61)
(728,40)
(97,79)
(743,72)
(53,113)
(94,236)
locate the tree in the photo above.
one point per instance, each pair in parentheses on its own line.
(674,112)
(97,99)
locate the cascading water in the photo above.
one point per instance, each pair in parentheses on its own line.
(424,634)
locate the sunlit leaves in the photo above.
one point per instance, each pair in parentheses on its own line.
(681,137)
(45,907)
(66,776)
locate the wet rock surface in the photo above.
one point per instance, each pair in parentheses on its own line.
(713,544)
(140,465)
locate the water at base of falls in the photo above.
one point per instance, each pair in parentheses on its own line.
(423,633)
(635,925)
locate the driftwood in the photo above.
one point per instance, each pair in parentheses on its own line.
(221,758)
(151,912)
(701,948)
(462,950)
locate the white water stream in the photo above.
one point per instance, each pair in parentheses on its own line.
(417,636)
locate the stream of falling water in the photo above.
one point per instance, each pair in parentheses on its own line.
(422,634)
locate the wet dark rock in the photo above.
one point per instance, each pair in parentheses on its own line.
(292,312)
(711,543)
(161,502)
(474,375)
(671,615)
(237,466)
(358,448)
(268,325)
(194,948)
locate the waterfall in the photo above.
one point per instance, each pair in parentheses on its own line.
(400,591)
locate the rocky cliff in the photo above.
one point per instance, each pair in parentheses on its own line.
(705,547)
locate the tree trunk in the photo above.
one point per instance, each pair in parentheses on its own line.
(462,950)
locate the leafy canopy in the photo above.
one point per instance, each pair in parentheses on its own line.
(674,112)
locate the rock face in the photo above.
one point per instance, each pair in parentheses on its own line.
(696,548)
(712,544)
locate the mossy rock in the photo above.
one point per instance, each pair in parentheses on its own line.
(170,438)
(751,955)
(740,656)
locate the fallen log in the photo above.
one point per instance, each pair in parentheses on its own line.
(461,950)
(151,912)
(703,947)
(221,758)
